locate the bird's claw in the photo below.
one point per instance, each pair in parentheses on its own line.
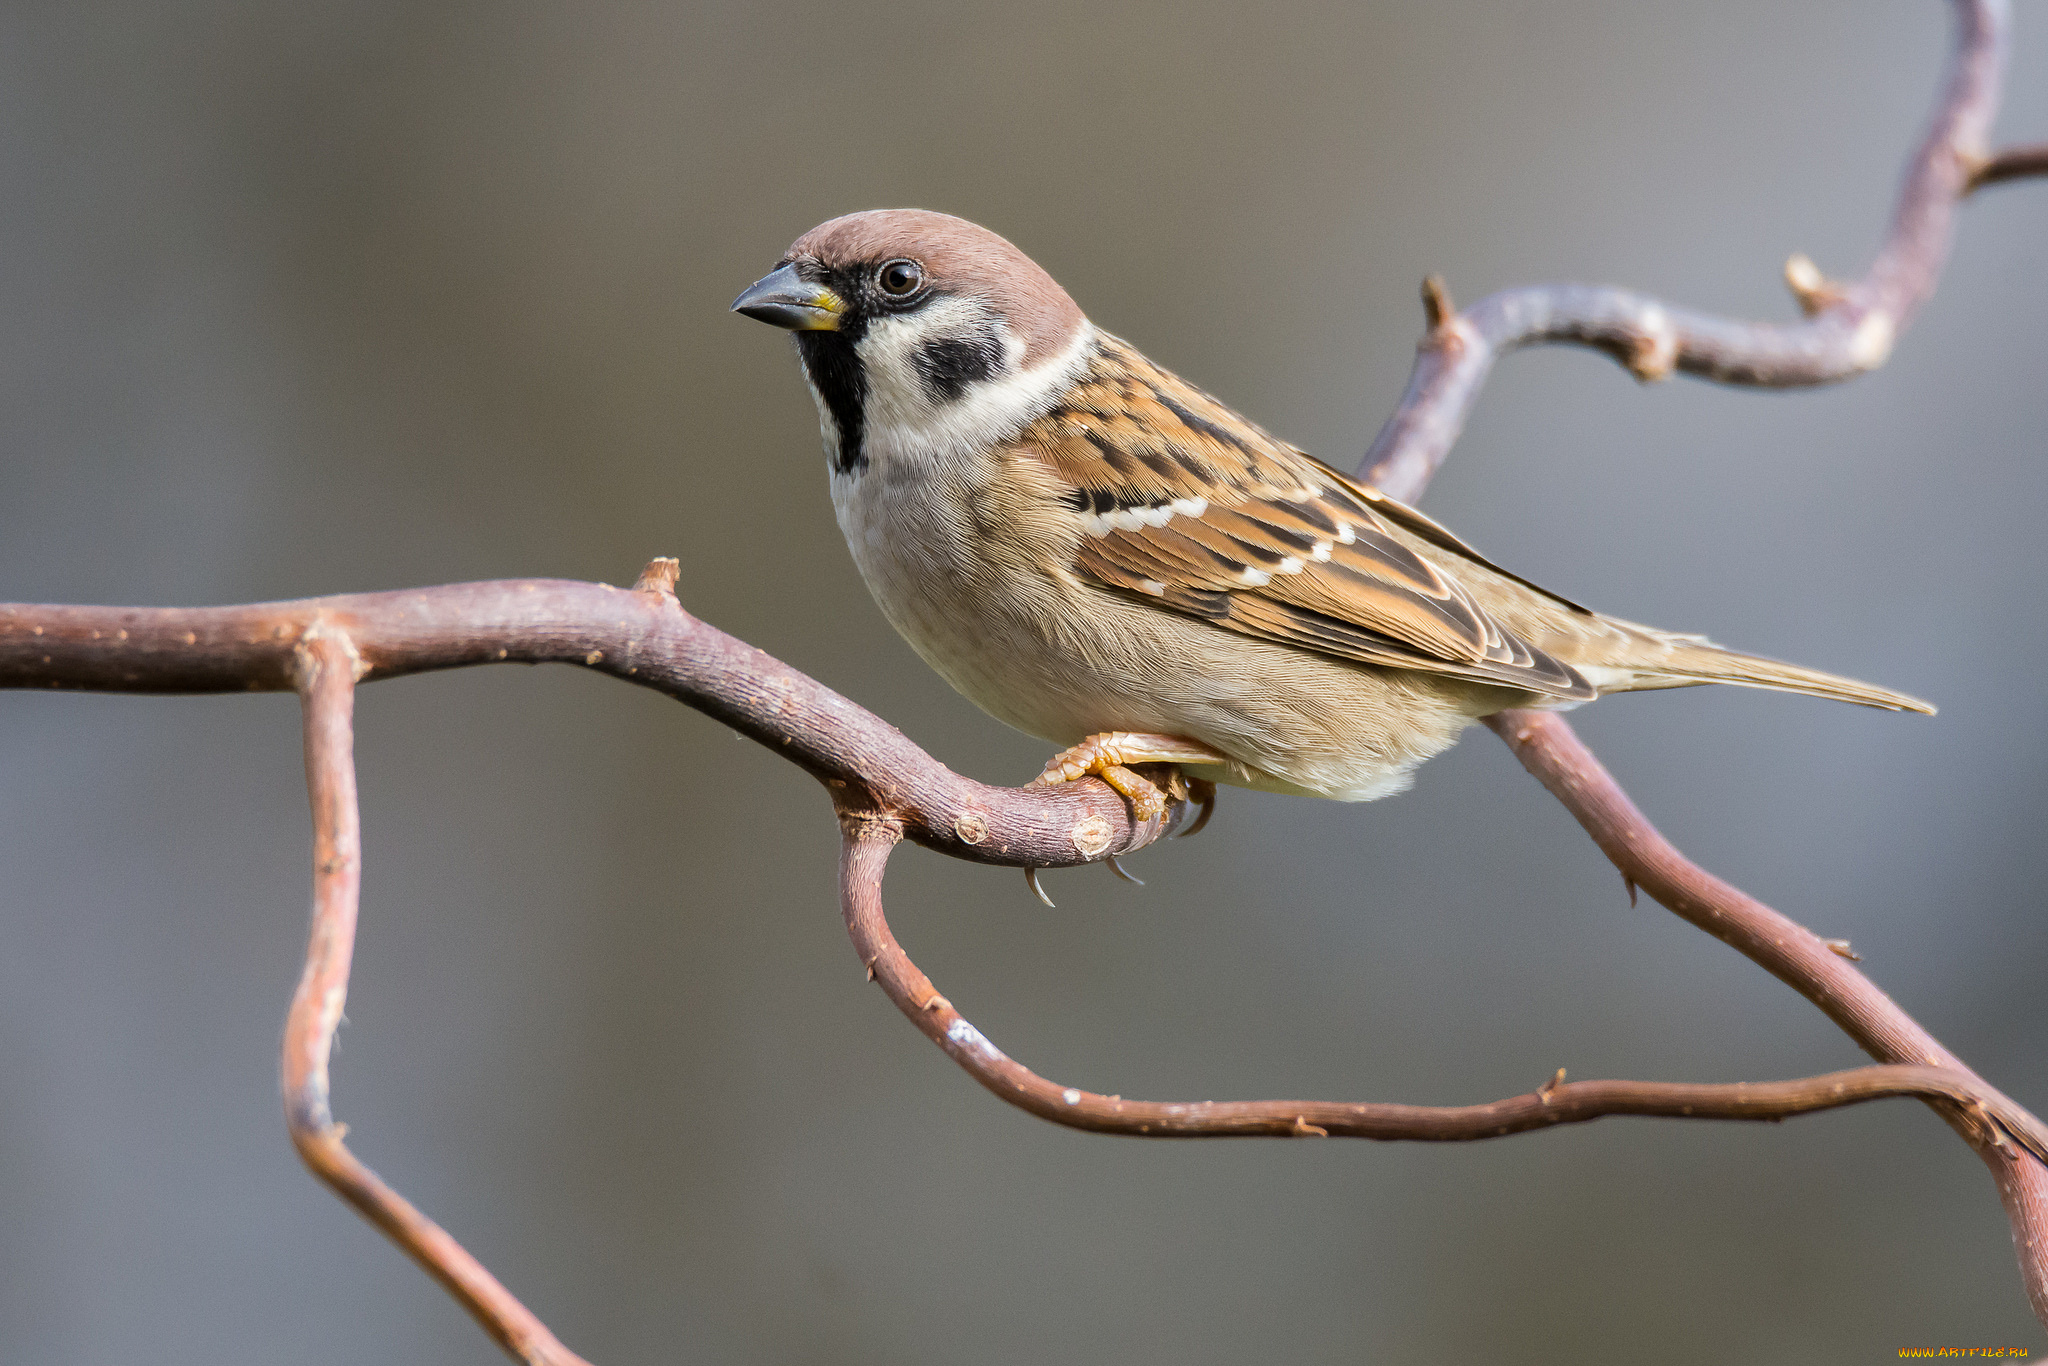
(1105,756)
(1203,793)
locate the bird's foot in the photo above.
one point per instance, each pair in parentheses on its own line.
(1203,793)
(1105,756)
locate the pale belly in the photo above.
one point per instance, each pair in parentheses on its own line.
(1063,660)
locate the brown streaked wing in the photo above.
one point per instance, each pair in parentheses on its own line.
(1433,531)
(1279,546)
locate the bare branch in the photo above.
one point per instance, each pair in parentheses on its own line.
(644,637)
(327,665)
(1795,955)
(1850,327)
(2014,163)
(871,835)
(886,788)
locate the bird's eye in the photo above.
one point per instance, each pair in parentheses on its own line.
(899,277)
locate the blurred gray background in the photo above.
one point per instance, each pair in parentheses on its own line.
(341,296)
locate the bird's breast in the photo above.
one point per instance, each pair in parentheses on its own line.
(955,571)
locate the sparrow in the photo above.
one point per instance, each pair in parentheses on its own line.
(1101,555)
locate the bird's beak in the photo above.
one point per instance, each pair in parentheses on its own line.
(782,299)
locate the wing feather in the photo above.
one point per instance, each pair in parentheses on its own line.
(1187,504)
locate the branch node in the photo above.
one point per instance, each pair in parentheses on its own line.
(1653,351)
(1437,308)
(659,577)
(2010,163)
(306,654)
(1975,166)
(860,820)
(1549,1088)
(1626,880)
(1988,1129)
(1871,346)
(1304,1129)
(1814,291)
(1841,949)
(1091,835)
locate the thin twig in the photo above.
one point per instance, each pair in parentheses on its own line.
(886,789)
(644,637)
(1549,749)
(871,835)
(2014,163)
(326,667)
(1850,328)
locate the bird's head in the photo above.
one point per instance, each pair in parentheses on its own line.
(921,334)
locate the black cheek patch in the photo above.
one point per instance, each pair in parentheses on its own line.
(947,365)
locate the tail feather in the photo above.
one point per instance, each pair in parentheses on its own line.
(1690,660)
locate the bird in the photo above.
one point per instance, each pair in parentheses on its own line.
(1102,555)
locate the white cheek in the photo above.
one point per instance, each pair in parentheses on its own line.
(897,397)
(906,421)
(828,426)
